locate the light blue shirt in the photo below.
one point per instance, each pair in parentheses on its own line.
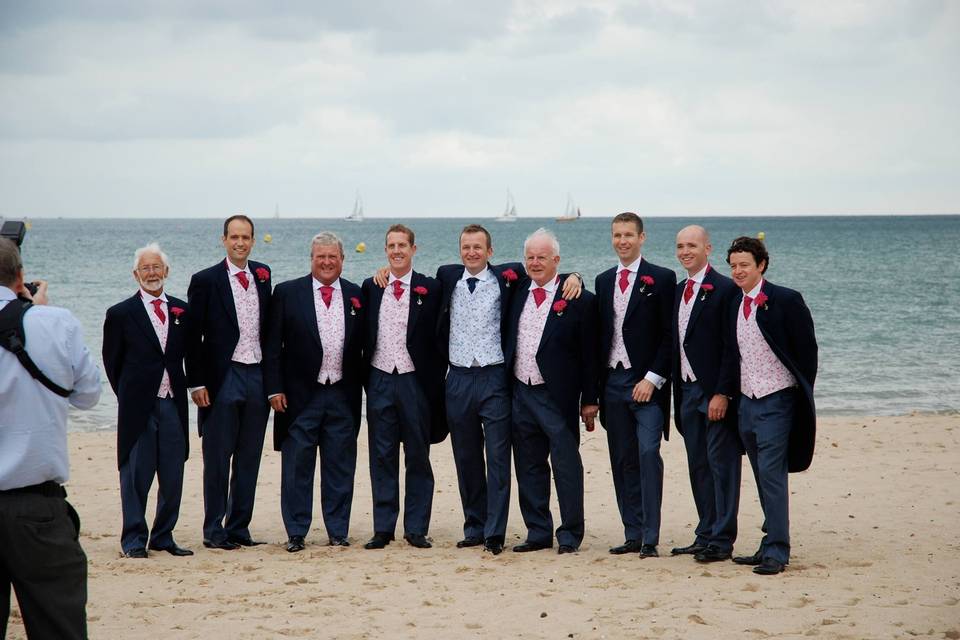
(33,419)
(475,322)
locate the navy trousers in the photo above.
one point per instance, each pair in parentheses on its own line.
(232,444)
(325,424)
(478,412)
(160,451)
(539,431)
(397,412)
(713,461)
(634,432)
(765,430)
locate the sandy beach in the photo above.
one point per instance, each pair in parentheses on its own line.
(874,534)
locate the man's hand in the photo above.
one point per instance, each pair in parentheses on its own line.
(200,397)
(279,402)
(717,409)
(572,287)
(588,414)
(643,391)
(40,297)
(382,277)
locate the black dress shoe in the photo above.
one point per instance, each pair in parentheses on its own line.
(768,567)
(629,546)
(295,544)
(712,554)
(526,547)
(566,548)
(494,546)
(753,560)
(692,550)
(338,541)
(226,545)
(135,553)
(242,541)
(470,541)
(417,540)
(174,550)
(378,541)
(649,551)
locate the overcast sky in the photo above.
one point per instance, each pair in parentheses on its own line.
(665,107)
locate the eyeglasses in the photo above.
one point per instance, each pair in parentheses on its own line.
(151,268)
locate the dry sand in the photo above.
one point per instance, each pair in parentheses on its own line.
(875,555)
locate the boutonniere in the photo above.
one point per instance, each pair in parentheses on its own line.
(262,274)
(645,282)
(705,288)
(559,306)
(354,304)
(509,275)
(177,312)
(761,300)
(421,291)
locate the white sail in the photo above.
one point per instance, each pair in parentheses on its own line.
(357,214)
(571,213)
(509,211)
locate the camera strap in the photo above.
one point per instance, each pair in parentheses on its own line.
(12,338)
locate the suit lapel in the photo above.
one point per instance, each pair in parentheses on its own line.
(226,294)
(553,319)
(698,301)
(347,308)
(308,309)
(636,295)
(263,289)
(142,320)
(415,281)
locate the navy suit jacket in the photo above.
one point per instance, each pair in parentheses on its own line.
(135,362)
(647,329)
(450,274)
(214,331)
(429,357)
(787,326)
(566,356)
(707,344)
(294,353)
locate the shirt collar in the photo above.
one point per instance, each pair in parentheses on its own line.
(756,290)
(550,287)
(7,293)
(483,276)
(317,284)
(148,297)
(633,267)
(700,275)
(405,278)
(234,269)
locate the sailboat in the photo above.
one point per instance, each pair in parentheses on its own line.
(357,214)
(509,212)
(571,214)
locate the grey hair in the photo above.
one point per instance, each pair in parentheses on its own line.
(10,262)
(325,239)
(543,233)
(153,247)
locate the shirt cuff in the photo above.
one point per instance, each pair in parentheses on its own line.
(192,389)
(273,395)
(655,379)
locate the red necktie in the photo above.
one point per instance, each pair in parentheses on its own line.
(539,295)
(397,289)
(747,307)
(688,292)
(624,281)
(158,311)
(326,294)
(242,277)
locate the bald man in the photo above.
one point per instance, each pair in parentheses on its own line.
(704,381)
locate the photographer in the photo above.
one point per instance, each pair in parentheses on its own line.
(40,554)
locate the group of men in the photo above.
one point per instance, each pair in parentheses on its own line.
(508,359)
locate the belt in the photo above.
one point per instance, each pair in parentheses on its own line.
(49,489)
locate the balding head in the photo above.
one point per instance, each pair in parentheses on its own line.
(693,248)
